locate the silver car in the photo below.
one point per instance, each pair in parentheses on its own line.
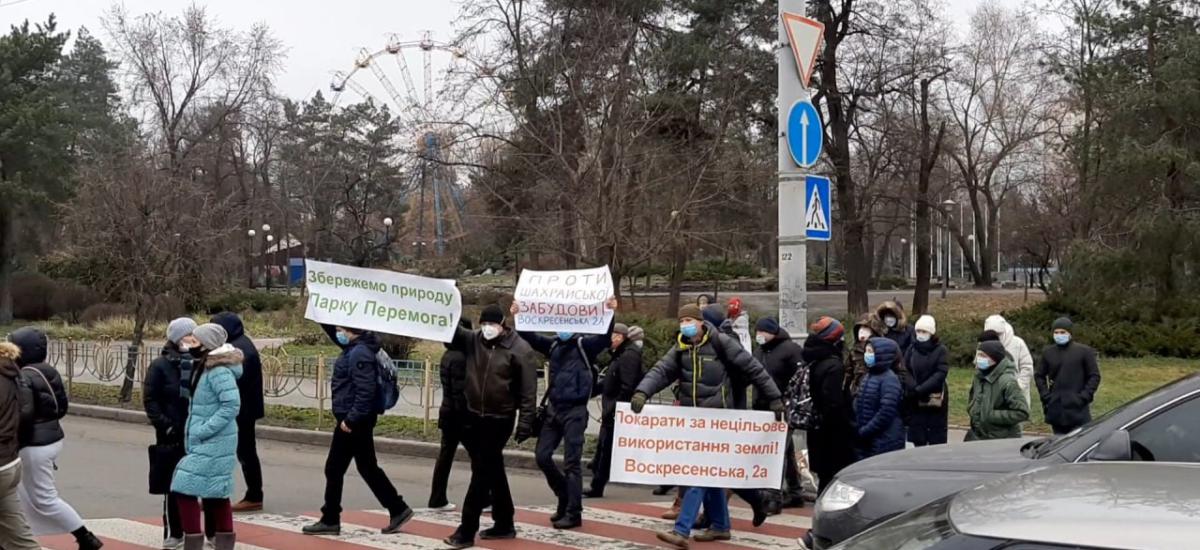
(1088,506)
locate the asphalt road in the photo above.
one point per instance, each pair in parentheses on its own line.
(102,473)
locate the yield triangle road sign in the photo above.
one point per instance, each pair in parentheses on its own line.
(817,212)
(805,36)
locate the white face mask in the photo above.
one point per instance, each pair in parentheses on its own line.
(890,321)
(923,336)
(490,332)
(760,339)
(637,343)
(864,334)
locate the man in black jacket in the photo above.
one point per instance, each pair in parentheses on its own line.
(781,357)
(1067,379)
(250,388)
(569,388)
(15,414)
(453,373)
(620,381)
(167,409)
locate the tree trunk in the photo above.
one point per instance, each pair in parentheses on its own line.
(139,329)
(928,160)
(7,238)
(678,266)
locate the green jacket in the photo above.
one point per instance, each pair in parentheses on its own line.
(997,405)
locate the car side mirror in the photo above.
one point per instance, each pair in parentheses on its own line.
(1114,448)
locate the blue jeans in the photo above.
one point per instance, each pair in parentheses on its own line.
(715,507)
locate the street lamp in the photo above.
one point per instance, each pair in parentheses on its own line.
(973,258)
(903,264)
(249,263)
(946,278)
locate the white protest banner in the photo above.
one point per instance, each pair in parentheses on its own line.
(564,301)
(382,301)
(696,447)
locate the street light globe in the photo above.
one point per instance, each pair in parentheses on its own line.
(387,222)
(270,238)
(948,202)
(970,237)
(251,233)
(266,228)
(903,241)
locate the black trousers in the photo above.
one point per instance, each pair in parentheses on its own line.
(564,426)
(359,447)
(451,437)
(247,454)
(602,461)
(172,524)
(484,438)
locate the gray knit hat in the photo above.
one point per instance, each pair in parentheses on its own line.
(211,336)
(621,328)
(635,334)
(180,328)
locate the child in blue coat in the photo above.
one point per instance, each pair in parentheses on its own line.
(205,475)
(877,407)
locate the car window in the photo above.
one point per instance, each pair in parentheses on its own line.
(1172,435)
(1030,546)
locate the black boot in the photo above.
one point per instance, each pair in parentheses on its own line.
(87,540)
(561,512)
(323,527)
(568,522)
(398,520)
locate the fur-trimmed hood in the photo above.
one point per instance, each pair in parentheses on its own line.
(9,351)
(225,356)
(889,306)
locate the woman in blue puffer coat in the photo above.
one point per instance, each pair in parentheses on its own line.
(877,407)
(204,478)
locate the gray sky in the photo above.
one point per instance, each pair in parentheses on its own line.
(320,36)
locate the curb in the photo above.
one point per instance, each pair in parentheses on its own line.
(512,458)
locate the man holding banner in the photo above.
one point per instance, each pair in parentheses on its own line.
(703,360)
(569,387)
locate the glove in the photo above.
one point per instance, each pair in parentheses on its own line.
(638,402)
(523,434)
(777,408)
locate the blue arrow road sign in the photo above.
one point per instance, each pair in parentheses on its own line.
(805,135)
(817,218)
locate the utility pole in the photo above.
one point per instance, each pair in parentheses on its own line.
(793,253)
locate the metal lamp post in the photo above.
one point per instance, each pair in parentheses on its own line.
(250,275)
(266,229)
(946,278)
(903,264)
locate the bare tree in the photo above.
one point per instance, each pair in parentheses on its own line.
(179,66)
(1000,101)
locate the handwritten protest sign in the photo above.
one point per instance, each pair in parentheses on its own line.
(564,301)
(695,447)
(382,301)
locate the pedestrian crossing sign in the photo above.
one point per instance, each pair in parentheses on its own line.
(817,218)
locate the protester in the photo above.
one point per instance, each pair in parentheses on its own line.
(357,404)
(704,300)
(926,360)
(1016,348)
(620,380)
(880,428)
(995,405)
(250,388)
(453,373)
(204,477)
(166,405)
(895,325)
(703,360)
(856,366)
(501,381)
(568,390)
(739,321)
(46,512)
(782,357)
(1067,380)
(830,445)
(16,417)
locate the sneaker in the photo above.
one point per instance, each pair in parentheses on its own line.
(322,528)
(248,506)
(674,539)
(172,543)
(447,507)
(710,535)
(398,521)
(498,533)
(457,541)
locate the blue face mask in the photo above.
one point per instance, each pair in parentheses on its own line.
(983,363)
(689,330)
(1062,339)
(564,336)
(343,338)
(869,359)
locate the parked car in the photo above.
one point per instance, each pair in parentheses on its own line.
(1066,507)
(1163,425)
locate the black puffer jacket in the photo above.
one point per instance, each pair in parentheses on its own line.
(704,374)
(250,385)
(453,374)
(831,445)
(622,377)
(49,395)
(165,405)
(354,385)
(781,357)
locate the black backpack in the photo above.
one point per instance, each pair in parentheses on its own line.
(27,408)
(797,402)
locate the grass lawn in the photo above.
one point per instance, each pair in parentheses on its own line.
(397,427)
(1122,380)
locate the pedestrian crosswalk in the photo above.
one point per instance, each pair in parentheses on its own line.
(607,525)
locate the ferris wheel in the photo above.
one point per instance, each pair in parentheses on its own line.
(434,110)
